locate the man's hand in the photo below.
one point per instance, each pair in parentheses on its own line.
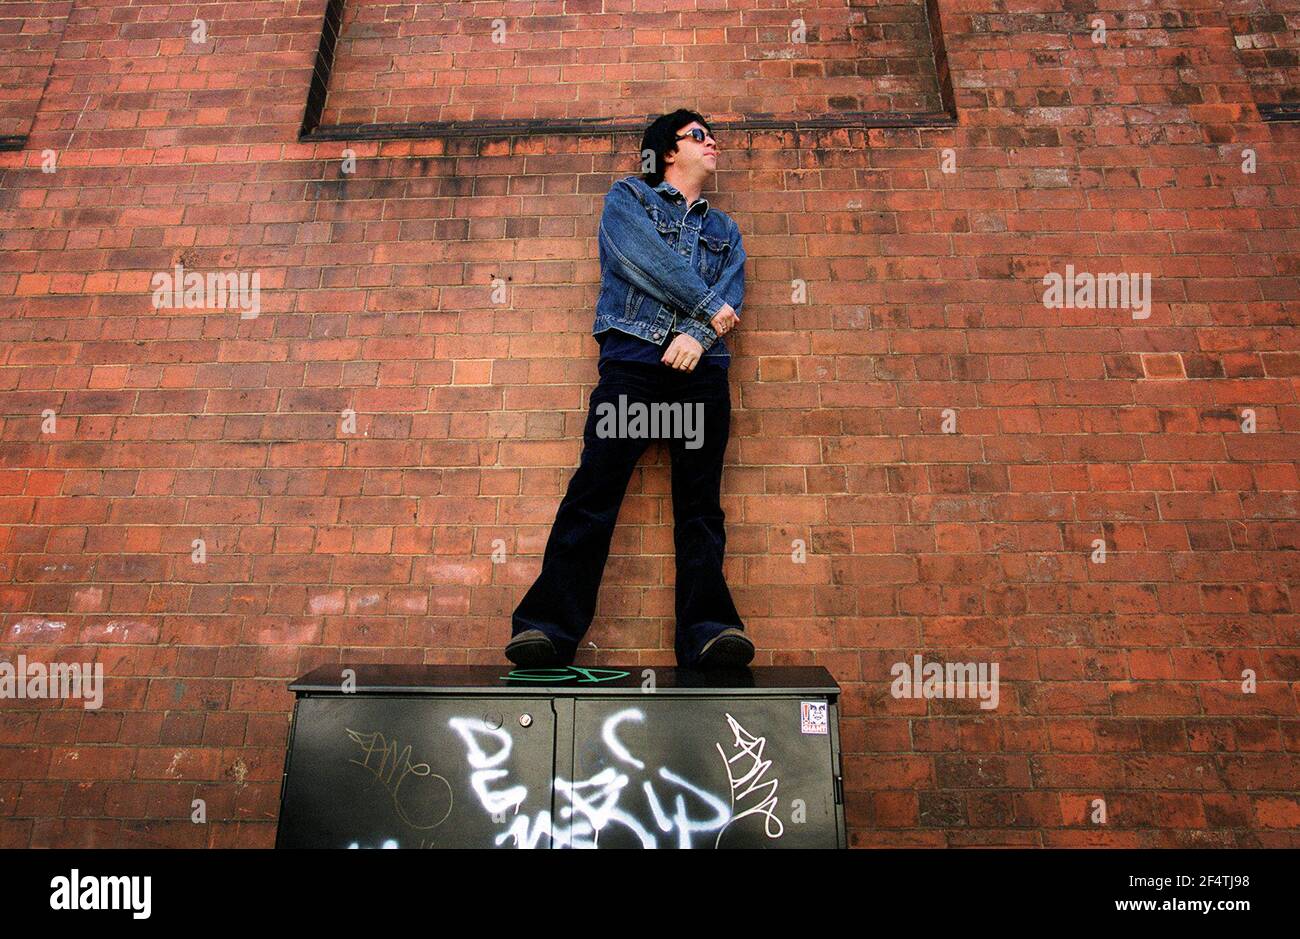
(683,353)
(724,320)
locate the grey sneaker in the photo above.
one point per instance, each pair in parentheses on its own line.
(730,648)
(532,648)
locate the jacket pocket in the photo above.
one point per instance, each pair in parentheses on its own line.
(632,304)
(669,230)
(713,257)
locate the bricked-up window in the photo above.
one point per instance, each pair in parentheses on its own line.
(29,37)
(401,63)
(1267,35)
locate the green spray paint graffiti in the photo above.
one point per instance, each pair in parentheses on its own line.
(584,676)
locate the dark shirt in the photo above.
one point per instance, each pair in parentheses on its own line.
(623,346)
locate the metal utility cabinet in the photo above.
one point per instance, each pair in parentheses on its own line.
(483,756)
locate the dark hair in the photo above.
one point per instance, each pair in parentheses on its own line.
(661,137)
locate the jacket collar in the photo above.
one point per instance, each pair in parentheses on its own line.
(676,195)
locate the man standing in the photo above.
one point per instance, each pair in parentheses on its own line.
(672,282)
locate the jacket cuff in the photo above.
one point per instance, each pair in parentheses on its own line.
(708,307)
(700,332)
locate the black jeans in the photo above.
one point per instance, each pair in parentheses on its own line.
(562,601)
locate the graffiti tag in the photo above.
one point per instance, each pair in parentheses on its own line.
(418,803)
(751,747)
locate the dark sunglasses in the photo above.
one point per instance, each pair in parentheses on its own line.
(698,135)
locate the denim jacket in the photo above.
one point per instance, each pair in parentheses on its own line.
(664,267)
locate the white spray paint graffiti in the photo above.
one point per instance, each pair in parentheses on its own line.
(684,825)
(751,747)
(593,803)
(486,768)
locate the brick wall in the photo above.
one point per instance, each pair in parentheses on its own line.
(949,449)
(1268,34)
(615,58)
(29,36)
